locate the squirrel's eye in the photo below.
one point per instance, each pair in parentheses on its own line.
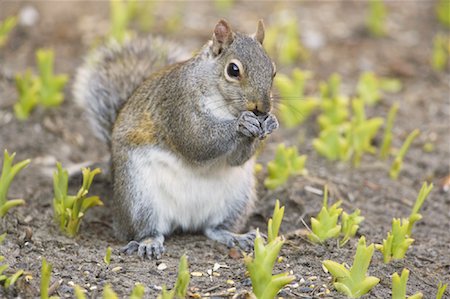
(233,70)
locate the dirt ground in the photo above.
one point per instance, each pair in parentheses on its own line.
(338,42)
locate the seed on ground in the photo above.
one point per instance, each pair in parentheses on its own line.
(162,266)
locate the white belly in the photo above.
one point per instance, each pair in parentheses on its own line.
(183,196)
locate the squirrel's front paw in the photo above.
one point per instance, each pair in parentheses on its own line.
(150,248)
(269,124)
(244,241)
(249,125)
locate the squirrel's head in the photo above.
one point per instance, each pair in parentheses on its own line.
(245,70)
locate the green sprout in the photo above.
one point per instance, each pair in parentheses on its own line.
(397,242)
(441,52)
(46,272)
(287,162)
(362,131)
(332,88)
(370,86)
(325,226)
(399,286)
(295,108)
(387,139)
(283,41)
(442,12)
(182,283)
(441,290)
(27,87)
(341,138)
(334,106)
(264,284)
(68,209)
(11,280)
(108,292)
(350,224)
(273,226)
(333,143)
(354,282)
(9,171)
(5,28)
(107,257)
(138,291)
(51,85)
(121,12)
(415,216)
(376,20)
(396,166)
(45,89)
(79,293)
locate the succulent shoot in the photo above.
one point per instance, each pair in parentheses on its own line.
(287,162)
(399,286)
(9,171)
(69,209)
(397,242)
(354,282)
(396,166)
(180,289)
(415,216)
(326,226)
(294,106)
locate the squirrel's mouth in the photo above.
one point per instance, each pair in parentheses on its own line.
(260,114)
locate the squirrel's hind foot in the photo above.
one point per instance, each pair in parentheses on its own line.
(147,248)
(243,241)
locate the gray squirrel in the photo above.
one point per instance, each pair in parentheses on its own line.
(182,134)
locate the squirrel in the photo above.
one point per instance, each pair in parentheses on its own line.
(182,134)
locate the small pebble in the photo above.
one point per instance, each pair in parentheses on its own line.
(209,272)
(324,269)
(312,278)
(162,267)
(230,282)
(216,274)
(280,259)
(295,285)
(305,290)
(197,274)
(28,219)
(231,290)
(93,288)
(116,269)
(302,280)
(28,16)
(71,283)
(216,267)
(234,253)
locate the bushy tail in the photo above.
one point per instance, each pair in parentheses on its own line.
(111,73)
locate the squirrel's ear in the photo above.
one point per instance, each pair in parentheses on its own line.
(223,37)
(259,34)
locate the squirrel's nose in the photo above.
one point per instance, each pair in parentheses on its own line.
(259,107)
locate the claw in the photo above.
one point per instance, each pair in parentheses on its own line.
(148,248)
(130,248)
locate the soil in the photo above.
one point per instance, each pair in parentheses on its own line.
(338,42)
